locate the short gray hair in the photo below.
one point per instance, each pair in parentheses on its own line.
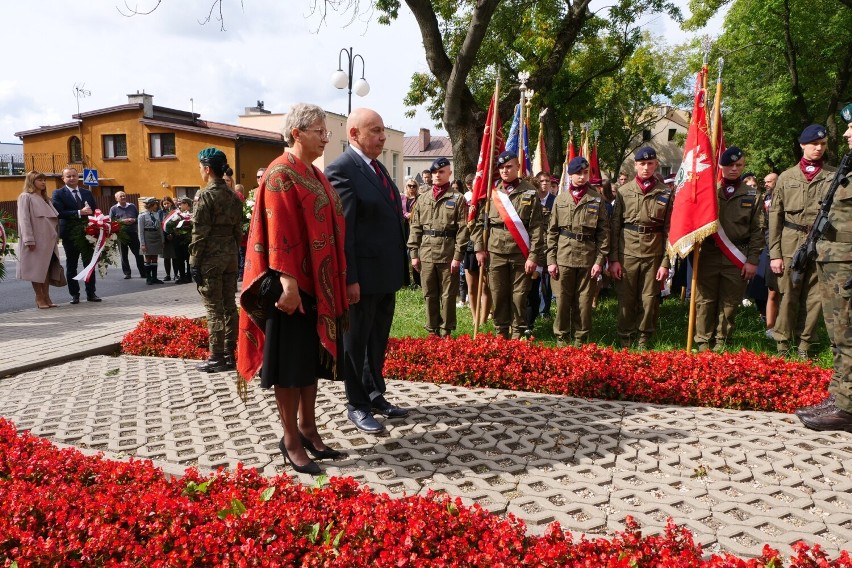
(301,116)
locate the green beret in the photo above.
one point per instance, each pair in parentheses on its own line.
(214,154)
(846,113)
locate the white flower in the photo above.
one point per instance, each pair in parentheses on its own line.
(248,215)
(250,203)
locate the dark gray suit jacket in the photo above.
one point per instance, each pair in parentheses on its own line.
(375,241)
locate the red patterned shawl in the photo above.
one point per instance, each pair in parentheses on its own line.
(297,229)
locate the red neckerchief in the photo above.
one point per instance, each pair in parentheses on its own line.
(309,211)
(508,187)
(438,191)
(730,187)
(577,193)
(810,168)
(646,185)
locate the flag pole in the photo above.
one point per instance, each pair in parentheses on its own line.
(493,142)
(696,253)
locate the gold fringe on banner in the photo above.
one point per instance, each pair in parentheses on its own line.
(684,245)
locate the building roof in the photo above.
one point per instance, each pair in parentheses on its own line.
(49,128)
(439,146)
(219,129)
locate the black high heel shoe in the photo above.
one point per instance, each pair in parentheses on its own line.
(326,454)
(311,467)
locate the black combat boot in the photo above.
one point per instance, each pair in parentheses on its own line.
(214,364)
(230,361)
(154,279)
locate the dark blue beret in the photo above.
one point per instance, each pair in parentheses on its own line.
(747,175)
(438,164)
(646,153)
(505,157)
(577,165)
(846,113)
(813,133)
(730,155)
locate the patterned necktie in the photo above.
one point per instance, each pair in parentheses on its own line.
(77,198)
(385,183)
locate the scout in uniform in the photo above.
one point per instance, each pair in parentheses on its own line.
(436,244)
(795,204)
(834,267)
(577,246)
(721,283)
(213,249)
(637,258)
(515,245)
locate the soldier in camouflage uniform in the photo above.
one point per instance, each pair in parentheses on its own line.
(795,204)
(213,258)
(637,259)
(510,271)
(834,267)
(436,243)
(721,284)
(577,246)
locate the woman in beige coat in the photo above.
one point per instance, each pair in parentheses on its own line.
(37,237)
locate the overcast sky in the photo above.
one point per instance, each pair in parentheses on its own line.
(272,50)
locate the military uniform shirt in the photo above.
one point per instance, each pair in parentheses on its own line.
(795,200)
(528,206)
(439,230)
(651,209)
(588,220)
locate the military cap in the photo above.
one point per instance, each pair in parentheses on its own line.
(730,155)
(577,165)
(148,201)
(438,164)
(214,154)
(505,157)
(187,200)
(646,153)
(747,175)
(846,113)
(813,133)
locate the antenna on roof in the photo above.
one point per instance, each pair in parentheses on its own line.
(80,91)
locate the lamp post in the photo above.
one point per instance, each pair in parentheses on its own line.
(342,79)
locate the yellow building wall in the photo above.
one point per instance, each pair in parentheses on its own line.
(139,172)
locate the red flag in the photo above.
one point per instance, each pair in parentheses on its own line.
(540,164)
(481,180)
(695,213)
(594,166)
(572,152)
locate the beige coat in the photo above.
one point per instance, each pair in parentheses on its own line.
(37,225)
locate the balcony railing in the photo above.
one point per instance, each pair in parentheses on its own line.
(19,164)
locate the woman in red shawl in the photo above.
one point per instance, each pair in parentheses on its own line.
(296,236)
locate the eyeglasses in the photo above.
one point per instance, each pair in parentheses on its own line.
(323,133)
(412,186)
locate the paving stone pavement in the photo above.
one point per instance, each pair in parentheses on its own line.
(736,479)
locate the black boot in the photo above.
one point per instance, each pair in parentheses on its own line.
(154,279)
(148,274)
(230,361)
(215,364)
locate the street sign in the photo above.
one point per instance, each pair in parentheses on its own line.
(90,177)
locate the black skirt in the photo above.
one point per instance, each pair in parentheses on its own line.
(293,356)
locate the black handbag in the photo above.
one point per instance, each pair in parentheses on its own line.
(269,291)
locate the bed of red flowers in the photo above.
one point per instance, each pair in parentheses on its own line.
(166,336)
(743,381)
(61,508)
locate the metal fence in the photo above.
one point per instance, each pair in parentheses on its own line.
(102,202)
(44,162)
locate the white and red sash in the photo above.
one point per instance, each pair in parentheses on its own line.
(512,221)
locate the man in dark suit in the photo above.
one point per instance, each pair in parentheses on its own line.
(376,265)
(74,204)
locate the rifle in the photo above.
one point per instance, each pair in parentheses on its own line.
(807,250)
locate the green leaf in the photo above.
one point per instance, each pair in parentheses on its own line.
(336,542)
(326,534)
(314,534)
(267,494)
(237,507)
(223,514)
(320,481)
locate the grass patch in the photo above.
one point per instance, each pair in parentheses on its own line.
(749,331)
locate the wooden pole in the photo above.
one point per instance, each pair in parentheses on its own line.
(485,231)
